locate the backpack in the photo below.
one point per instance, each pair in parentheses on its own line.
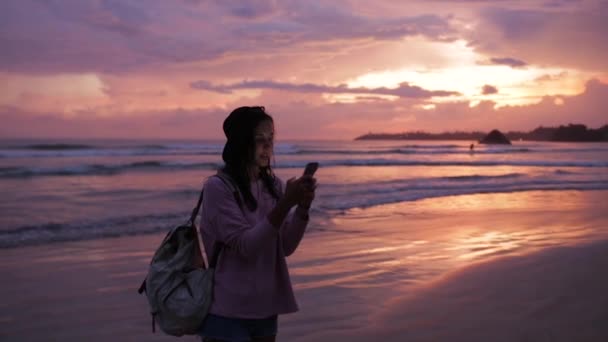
(180,293)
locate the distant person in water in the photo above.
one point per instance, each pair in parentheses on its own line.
(472,147)
(256,229)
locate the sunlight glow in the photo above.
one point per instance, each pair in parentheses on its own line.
(66,93)
(354,98)
(467,73)
(88,85)
(427,106)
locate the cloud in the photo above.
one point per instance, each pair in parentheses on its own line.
(118,36)
(551,77)
(253,9)
(176,123)
(587,108)
(488,89)
(560,3)
(404,89)
(512,62)
(294,56)
(347,120)
(573,37)
(299,119)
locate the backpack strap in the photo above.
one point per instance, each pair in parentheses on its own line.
(232,185)
(224,177)
(228,181)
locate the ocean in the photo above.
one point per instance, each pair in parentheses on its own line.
(64,190)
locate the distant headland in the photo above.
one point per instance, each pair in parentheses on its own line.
(571,133)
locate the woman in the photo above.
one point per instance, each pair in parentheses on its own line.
(255,231)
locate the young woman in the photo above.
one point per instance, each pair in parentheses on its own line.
(256,230)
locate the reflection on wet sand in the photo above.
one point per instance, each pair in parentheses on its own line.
(379,254)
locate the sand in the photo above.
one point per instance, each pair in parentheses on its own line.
(554,295)
(500,267)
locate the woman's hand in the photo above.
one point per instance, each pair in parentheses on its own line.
(293,192)
(310,185)
(300,191)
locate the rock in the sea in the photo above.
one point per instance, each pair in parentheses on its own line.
(495,137)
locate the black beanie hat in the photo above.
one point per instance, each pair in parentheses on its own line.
(237,128)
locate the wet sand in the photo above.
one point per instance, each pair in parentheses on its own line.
(503,267)
(555,295)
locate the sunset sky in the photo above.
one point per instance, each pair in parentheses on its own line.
(323,69)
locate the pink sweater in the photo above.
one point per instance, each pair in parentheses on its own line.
(251,277)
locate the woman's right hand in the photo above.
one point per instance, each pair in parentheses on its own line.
(295,191)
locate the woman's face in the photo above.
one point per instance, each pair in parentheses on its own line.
(264,143)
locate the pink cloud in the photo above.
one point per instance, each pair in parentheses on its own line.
(573,37)
(116,36)
(489,89)
(512,62)
(300,119)
(146,53)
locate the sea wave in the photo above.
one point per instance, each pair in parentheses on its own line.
(364,198)
(182,149)
(332,200)
(113,227)
(473,163)
(482,177)
(153,165)
(57,147)
(166,151)
(98,169)
(151,151)
(413,151)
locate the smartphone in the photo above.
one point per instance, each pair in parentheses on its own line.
(311,168)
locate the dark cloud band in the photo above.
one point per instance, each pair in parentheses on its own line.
(404,90)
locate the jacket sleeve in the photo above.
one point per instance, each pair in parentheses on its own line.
(292,232)
(228,222)
(293,228)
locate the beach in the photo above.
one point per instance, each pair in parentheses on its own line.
(460,191)
(517,266)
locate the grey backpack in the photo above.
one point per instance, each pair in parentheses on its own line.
(179,293)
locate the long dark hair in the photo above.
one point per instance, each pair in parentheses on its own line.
(239,151)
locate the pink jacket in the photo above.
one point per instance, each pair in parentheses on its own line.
(251,277)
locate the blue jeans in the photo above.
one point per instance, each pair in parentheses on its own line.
(237,329)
